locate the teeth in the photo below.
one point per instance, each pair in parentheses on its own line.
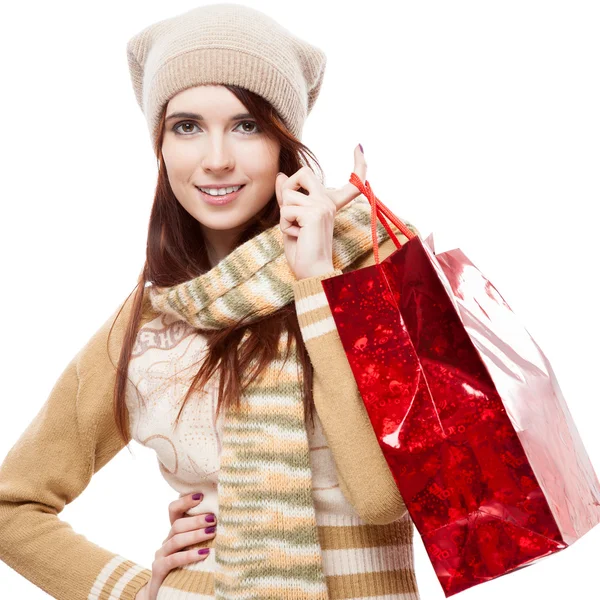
(221,191)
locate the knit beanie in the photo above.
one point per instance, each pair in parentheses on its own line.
(224,44)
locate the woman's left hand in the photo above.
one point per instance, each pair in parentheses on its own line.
(307,220)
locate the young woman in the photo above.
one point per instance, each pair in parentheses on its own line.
(225,360)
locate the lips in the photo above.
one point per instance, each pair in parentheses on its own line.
(216,187)
(217,200)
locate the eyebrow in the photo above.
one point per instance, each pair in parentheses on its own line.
(188,115)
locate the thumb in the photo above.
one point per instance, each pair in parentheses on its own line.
(360,164)
(348,192)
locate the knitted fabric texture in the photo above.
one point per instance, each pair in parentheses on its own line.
(268,540)
(224,44)
(255,280)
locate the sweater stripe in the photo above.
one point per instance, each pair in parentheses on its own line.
(318,328)
(118,580)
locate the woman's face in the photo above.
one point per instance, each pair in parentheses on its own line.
(213,145)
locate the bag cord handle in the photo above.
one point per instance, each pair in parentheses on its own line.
(379,210)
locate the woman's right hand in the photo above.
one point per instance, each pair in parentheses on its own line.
(185,531)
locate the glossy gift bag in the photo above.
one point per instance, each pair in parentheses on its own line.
(466,408)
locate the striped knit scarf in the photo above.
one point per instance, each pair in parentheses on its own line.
(268,543)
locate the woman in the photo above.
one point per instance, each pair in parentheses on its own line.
(228,362)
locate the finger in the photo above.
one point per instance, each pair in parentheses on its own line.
(163,565)
(303,178)
(291,230)
(168,563)
(292,214)
(187,524)
(348,192)
(294,198)
(188,538)
(287,221)
(281,177)
(179,507)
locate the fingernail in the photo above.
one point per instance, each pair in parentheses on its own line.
(361,148)
(197,496)
(204,551)
(210,518)
(210,529)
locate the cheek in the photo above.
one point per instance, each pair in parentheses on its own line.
(180,174)
(179,159)
(263,176)
(261,163)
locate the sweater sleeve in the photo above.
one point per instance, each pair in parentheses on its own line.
(364,475)
(71,438)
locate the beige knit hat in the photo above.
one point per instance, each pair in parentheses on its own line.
(225,44)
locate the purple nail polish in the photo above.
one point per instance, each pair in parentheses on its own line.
(210,518)
(204,551)
(361,148)
(211,529)
(197,496)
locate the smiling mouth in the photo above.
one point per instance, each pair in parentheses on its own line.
(220,198)
(219,188)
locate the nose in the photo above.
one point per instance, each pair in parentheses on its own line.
(216,155)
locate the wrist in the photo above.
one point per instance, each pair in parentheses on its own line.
(318,271)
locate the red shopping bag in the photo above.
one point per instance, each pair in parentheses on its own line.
(466,408)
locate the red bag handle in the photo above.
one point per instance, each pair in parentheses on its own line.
(378,209)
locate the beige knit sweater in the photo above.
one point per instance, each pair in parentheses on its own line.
(74,435)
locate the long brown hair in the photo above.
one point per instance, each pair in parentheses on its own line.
(176,252)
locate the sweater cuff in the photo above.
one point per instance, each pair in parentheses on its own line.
(120,578)
(312,308)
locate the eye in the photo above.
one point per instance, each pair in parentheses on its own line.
(256,130)
(176,127)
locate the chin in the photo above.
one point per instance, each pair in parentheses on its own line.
(222,222)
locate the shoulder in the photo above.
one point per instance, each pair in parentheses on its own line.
(97,365)
(105,343)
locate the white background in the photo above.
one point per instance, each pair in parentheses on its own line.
(479,122)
